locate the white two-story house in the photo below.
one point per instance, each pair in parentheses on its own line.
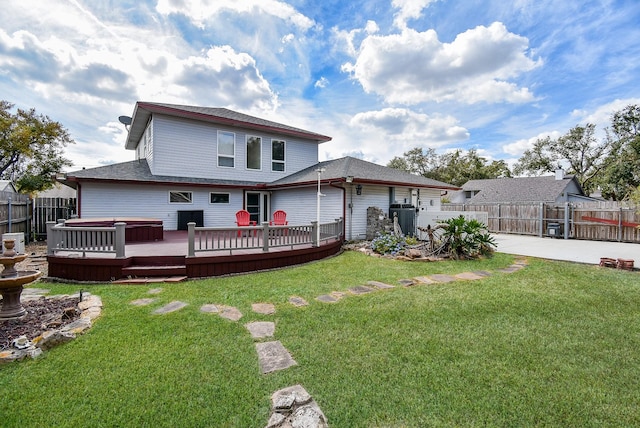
(204,164)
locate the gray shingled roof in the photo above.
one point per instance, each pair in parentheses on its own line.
(335,170)
(138,171)
(362,172)
(521,189)
(143,111)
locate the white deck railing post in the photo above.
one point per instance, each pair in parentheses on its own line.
(120,239)
(265,236)
(51,239)
(315,239)
(191,233)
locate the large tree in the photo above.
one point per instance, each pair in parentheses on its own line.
(31,148)
(620,175)
(455,168)
(578,149)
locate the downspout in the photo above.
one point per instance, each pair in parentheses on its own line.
(78,200)
(344,207)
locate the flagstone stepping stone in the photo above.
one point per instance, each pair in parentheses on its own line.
(294,407)
(209,308)
(361,289)
(230,313)
(273,356)
(176,305)
(327,298)
(143,302)
(338,294)
(438,277)
(263,308)
(261,329)
(482,272)
(510,269)
(424,280)
(155,291)
(407,282)
(298,301)
(469,276)
(380,285)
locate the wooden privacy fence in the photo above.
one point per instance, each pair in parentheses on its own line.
(51,209)
(597,222)
(15,213)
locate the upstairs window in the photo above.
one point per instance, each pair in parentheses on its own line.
(226,149)
(254,152)
(177,197)
(277,155)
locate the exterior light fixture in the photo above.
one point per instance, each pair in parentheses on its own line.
(349,179)
(359,189)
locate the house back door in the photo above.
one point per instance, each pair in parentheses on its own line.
(257,204)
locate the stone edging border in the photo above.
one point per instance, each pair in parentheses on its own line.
(91,307)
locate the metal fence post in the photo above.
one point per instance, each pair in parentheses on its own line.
(567,208)
(541,216)
(191,233)
(10,214)
(120,239)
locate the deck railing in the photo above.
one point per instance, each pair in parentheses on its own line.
(203,239)
(85,239)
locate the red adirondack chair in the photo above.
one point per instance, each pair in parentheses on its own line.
(243,218)
(279,219)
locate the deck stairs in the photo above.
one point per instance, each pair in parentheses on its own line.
(155,269)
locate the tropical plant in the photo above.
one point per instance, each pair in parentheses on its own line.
(466,239)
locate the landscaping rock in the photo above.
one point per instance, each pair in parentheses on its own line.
(294,407)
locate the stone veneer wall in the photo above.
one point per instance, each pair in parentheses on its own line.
(377,221)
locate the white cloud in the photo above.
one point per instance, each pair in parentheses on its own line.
(518,148)
(201,11)
(414,67)
(408,9)
(321,83)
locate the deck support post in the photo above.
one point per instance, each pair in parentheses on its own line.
(120,239)
(265,236)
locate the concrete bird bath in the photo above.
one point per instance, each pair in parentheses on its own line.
(12,280)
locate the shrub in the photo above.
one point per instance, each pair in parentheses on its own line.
(388,243)
(467,238)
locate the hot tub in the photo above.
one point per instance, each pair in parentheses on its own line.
(138,229)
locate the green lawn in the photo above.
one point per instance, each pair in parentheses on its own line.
(554,344)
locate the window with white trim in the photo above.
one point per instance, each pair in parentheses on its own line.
(226,149)
(277,155)
(254,152)
(218,198)
(179,197)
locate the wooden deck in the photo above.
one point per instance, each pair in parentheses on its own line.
(169,257)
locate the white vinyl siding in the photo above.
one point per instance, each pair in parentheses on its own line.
(300,204)
(152,202)
(188,148)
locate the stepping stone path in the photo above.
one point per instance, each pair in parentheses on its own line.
(298,301)
(261,329)
(293,406)
(273,356)
(176,305)
(264,308)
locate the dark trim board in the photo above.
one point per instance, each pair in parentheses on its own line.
(90,269)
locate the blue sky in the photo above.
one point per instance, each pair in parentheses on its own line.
(380,77)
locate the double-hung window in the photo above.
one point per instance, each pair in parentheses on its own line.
(254,152)
(226,149)
(277,155)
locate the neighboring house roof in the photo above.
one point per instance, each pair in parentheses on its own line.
(520,189)
(335,170)
(138,171)
(58,191)
(143,111)
(360,171)
(7,186)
